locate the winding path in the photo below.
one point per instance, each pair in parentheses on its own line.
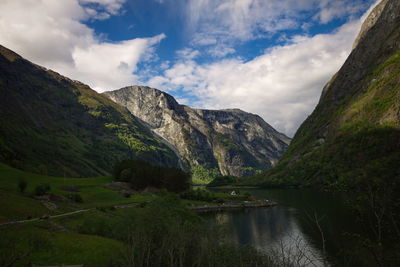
(45,217)
(205,208)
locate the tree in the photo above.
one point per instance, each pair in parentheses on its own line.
(142,174)
(42,189)
(203,175)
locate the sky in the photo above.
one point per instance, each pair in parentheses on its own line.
(268,57)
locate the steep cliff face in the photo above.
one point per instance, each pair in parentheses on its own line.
(355,129)
(234,141)
(53,125)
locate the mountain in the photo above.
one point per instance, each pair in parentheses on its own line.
(353,135)
(53,125)
(233,141)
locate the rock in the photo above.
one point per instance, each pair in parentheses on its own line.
(233,141)
(370,21)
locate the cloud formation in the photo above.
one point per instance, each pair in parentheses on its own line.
(283,85)
(52,33)
(218,23)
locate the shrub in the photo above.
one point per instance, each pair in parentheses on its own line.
(223,180)
(76,198)
(202,175)
(95,226)
(22,184)
(42,189)
(199,195)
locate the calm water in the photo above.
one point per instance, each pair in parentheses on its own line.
(291,228)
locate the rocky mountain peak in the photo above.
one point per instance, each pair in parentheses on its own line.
(370,21)
(8,54)
(354,130)
(370,50)
(231,140)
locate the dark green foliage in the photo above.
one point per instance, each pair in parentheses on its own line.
(97,226)
(223,180)
(199,195)
(165,233)
(209,196)
(202,175)
(42,189)
(362,129)
(16,248)
(341,163)
(76,198)
(22,184)
(142,174)
(55,126)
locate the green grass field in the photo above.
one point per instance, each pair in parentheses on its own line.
(19,206)
(77,239)
(94,237)
(42,245)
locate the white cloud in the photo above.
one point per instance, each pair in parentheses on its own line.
(330,10)
(188,53)
(110,65)
(227,21)
(107,7)
(220,51)
(51,33)
(283,85)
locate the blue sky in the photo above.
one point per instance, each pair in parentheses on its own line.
(269,57)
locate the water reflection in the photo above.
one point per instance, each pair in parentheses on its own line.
(289,227)
(272,229)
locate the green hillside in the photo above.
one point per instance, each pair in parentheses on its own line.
(52,125)
(353,135)
(365,140)
(61,240)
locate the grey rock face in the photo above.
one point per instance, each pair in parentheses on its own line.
(370,21)
(368,50)
(378,40)
(233,141)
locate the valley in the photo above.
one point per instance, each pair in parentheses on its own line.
(138,176)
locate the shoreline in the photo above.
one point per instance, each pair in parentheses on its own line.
(233,206)
(234,187)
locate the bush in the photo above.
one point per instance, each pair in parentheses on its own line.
(22,184)
(223,180)
(199,195)
(76,198)
(42,189)
(95,226)
(126,194)
(202,175)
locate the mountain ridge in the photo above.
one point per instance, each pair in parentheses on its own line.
(53,125)
(210,134)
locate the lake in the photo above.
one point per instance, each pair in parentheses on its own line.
(308,226)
